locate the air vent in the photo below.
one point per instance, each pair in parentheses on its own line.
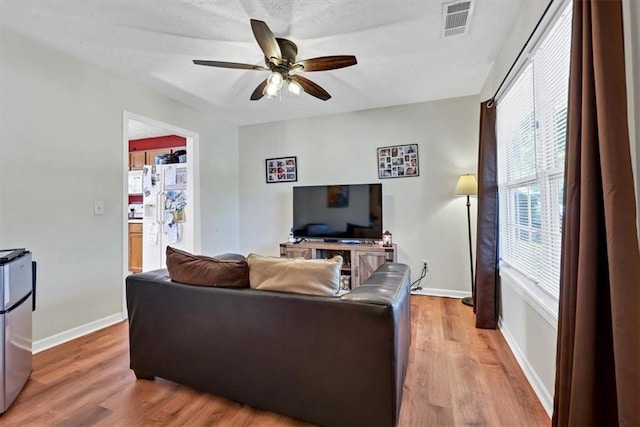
(455,17)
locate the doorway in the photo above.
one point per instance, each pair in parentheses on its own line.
(161,191)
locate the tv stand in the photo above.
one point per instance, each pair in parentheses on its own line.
(360,260)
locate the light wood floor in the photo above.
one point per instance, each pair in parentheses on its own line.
(458,375)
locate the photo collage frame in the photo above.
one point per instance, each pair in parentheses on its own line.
(281,169)
(398,161)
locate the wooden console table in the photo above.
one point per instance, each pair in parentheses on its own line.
(360,260)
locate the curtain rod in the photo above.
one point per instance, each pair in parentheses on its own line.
(492,100)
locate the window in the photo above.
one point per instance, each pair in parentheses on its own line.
(531,132)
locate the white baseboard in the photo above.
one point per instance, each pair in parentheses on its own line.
(433,292)
(541,391)
(71,334)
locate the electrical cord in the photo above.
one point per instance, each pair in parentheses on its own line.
(423,274)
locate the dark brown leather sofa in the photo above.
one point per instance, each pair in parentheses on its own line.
(338,361)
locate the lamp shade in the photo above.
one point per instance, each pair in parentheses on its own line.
(467,186)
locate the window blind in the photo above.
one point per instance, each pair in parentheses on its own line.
(531,132)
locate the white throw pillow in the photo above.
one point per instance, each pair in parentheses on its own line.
(299,275)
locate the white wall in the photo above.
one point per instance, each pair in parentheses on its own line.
(530,328)
(60,149)
(427,222)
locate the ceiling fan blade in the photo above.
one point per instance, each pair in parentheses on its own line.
(327,63)
(230,65)
(266,40)
(311,88)
(257,94)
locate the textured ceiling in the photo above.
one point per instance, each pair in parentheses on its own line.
(402,57)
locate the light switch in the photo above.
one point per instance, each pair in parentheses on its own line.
(98,207)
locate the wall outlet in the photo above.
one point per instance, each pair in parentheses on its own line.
(98,207)
(425,264)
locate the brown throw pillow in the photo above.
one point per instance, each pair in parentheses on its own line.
(304,276)
(206,271)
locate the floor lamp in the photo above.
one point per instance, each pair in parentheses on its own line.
(468,186)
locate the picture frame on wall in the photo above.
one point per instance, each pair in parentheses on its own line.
(398,161)
(281,169)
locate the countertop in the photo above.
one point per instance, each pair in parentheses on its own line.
(135,221)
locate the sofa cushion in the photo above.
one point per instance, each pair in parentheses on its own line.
(228,271)
(304,276)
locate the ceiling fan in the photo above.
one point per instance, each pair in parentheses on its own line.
(280,59)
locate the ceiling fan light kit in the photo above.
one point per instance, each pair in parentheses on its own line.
(280,59)
(294,88)
(271,91)
(276,81)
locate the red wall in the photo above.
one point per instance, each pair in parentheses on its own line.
(158,142)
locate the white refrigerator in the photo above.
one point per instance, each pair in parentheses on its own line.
(168,213)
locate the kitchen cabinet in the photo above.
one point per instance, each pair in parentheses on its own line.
(137,159)
(151,154)
(359,260)
(135,247)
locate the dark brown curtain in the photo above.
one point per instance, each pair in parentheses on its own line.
(598,351)
(485,289)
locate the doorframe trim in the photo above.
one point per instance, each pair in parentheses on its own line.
(193,184)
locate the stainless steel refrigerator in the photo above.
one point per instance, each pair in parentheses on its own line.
(17,301)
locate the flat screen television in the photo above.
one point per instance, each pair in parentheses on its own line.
(338,212)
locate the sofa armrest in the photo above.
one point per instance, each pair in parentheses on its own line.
(388,284)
